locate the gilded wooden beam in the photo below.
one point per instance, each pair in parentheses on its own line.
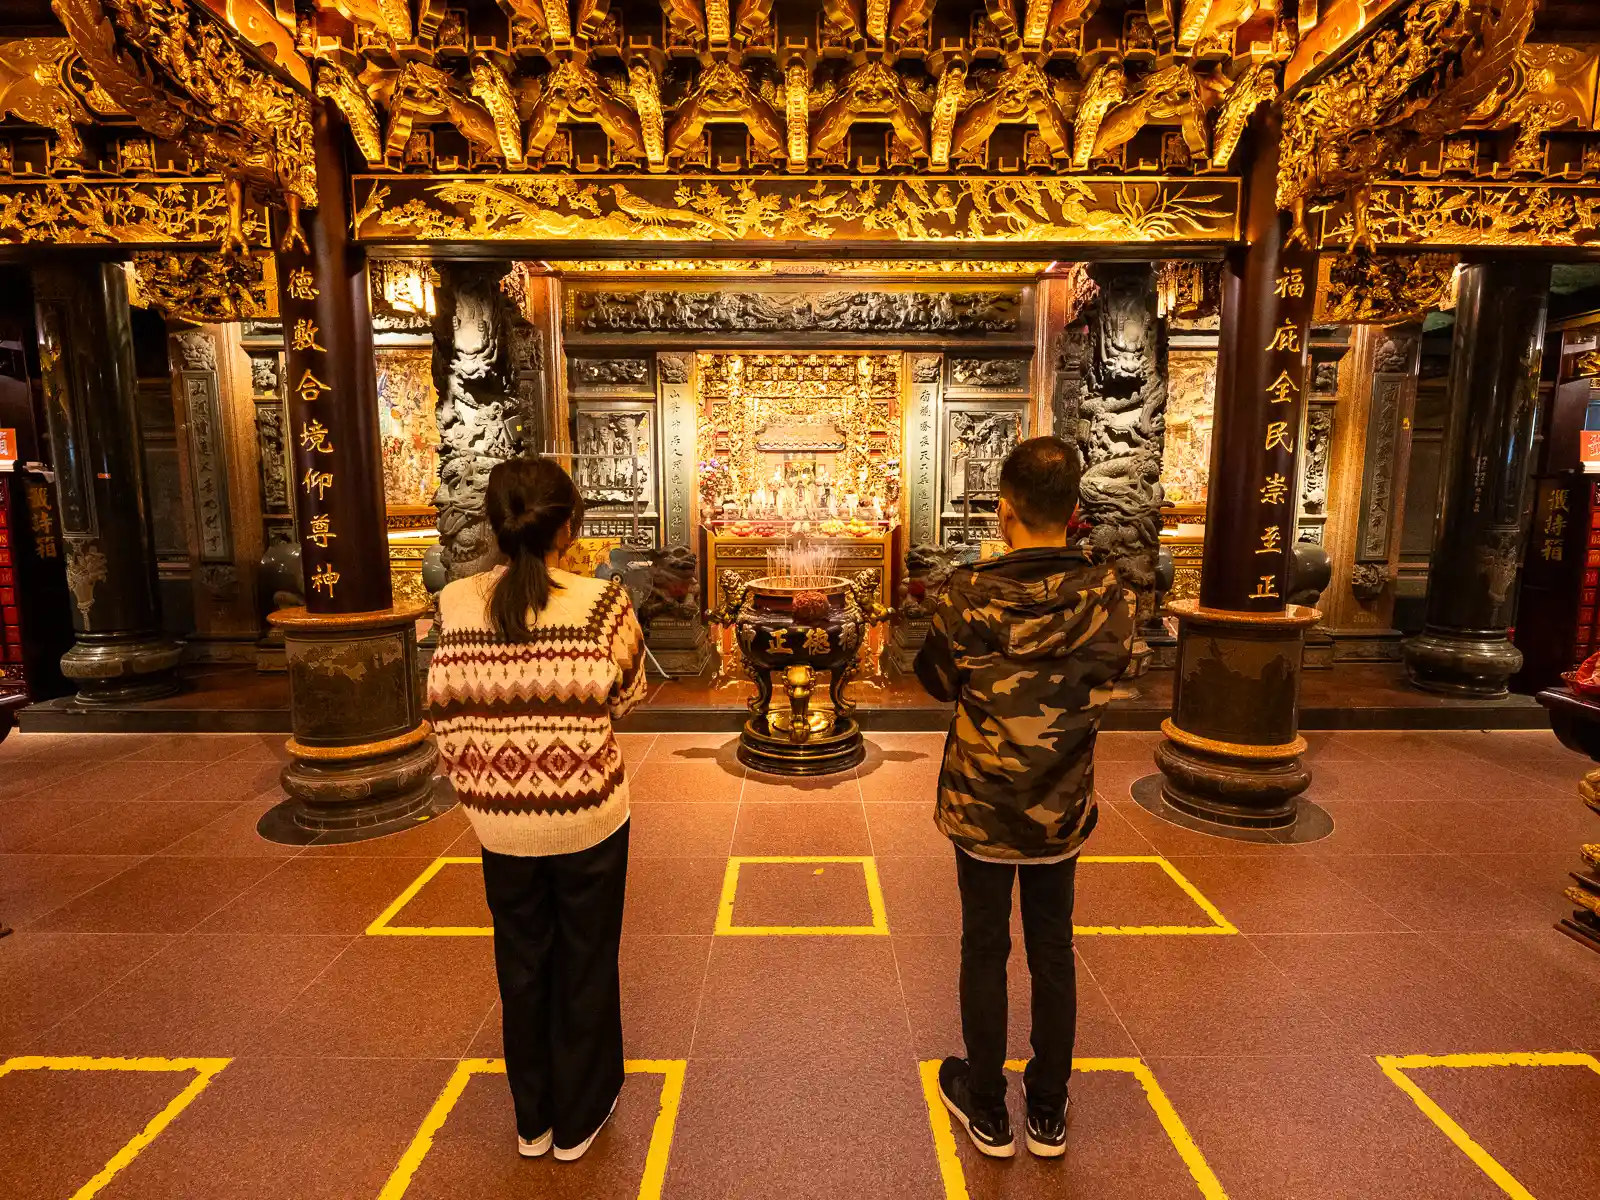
(963,210)
(190,213)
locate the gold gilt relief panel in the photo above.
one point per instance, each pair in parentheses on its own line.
(407,430)
(968,209)
(1186,453)
(756,407)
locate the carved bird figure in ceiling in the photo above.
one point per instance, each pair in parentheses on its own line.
(648,213)
(1169,94)
(31,90)
(723,93)
(337,83)
(871,91)
(573,90)
(1107,88)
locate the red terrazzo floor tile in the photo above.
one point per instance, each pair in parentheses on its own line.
(26,822)
(1541,971)
(233,834)
(1365,827)
(905,828)
(900,782)
(920,894)
(34,884)
(795,997)
(1524,1117)
(802,894)
(409,997)
(1398,993)
(137,827)
(292,1127)
(203,995)
(1329,1127)
(802,827)
(327,895)
(1284,895)
(159,895)
(850,1126)
(681,830)
(1428,893)
(474,1154)
(673,895)
(761,788)
(685,783)
(426,840)
(48,975)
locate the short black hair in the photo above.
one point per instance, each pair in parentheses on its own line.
(1040,480)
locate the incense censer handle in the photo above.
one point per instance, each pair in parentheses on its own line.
(798,681)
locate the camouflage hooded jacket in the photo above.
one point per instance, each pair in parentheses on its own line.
(1026,645)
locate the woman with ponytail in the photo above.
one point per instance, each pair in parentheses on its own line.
(533,666)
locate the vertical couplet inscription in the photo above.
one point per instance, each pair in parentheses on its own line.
(314,448)
(1285,358)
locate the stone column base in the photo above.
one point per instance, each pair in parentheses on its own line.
(1232,754)
(1462,662)
(906,640)
(123,668)
(363,758)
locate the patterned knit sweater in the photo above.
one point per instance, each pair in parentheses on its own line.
(524,729)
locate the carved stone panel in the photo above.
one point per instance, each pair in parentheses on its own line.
(628,375)
(613,451)
(988,374)
(1314,470)
(976,440)
(662,310)
(274,462)
(208,466)
(1394,368)
(922,423)
(679,464)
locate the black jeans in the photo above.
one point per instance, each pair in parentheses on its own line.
(1047,890)
(557,930)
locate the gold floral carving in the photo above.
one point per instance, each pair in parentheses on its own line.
(1384,289)
(206,287)
(193,212)
(1453,215)
(967,209)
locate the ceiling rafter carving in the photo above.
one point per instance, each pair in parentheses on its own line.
(722,86)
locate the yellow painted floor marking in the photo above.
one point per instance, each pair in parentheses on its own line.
(944,1138)
(1395,1067)
(1219,923)
(205,1069)
(730,889)
(655,1162)
(382,928)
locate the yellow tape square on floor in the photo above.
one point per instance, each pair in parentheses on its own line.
(655,1163)
(205,1069)
(730,889)
(1395,1067)
(944,1138)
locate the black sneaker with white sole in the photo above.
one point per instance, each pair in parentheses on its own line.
(1046,1132)
(989,1128)
(572,1153)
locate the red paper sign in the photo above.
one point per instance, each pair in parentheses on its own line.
(8,445)
(1589,445)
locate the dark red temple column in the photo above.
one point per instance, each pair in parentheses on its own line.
(363,759)
(1231,757)
(1495,357)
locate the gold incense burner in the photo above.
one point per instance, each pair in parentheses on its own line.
(794,628)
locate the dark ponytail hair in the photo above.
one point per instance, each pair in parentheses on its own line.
(530,501)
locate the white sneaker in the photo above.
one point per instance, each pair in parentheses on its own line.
(573,1153)
(539,1147)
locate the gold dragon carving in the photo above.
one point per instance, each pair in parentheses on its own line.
(723,92)
(184,79)
(205,287)
(33,89)
(337,83)
(1384,289)
(1411,82)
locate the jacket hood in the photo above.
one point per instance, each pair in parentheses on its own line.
(1038,604)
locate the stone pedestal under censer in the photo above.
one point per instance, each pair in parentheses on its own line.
(790,630)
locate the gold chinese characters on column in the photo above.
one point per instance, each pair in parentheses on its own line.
(314,444)
(1285,351)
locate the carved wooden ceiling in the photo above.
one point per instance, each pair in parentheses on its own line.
(868,121)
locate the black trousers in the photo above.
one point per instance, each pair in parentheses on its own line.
(557,931)
(1047,891)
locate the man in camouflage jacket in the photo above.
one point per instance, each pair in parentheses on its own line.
(1027,645)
